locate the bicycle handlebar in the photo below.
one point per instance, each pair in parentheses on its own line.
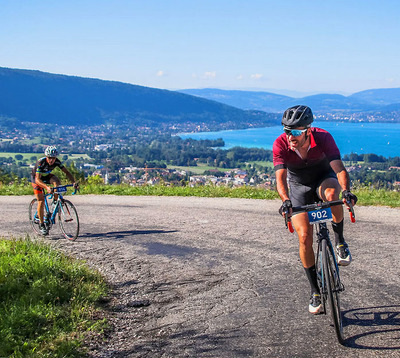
(319,205)
(63,189)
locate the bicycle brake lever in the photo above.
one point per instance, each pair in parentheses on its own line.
(351,212)
(288,222)
(352,215)
(290,227)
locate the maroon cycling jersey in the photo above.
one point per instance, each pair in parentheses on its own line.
(44,168)
(316,165)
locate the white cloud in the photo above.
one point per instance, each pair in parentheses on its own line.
(240,77)
(210,75)
(256,76)
(160,73)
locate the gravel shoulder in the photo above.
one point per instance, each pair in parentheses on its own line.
(221,277)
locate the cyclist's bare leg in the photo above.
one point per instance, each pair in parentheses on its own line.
(305,233)
(55,182)
(40,207)
(330,190)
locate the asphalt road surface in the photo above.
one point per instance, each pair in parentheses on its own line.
(220,277)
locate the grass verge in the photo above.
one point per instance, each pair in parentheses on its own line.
(366,196)
(378,197)
(48,301)
(201,191)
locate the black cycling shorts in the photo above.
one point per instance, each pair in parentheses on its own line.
(301,194)
(45,178)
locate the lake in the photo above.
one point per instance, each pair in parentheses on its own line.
(361,138)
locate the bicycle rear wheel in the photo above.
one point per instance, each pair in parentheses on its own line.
(68,220)
(333,288)
(33,216)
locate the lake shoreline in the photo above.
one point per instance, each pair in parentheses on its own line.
(361,138)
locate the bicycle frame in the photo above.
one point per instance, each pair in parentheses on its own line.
(325,259)
(58,206)
(63,211)
(322,233)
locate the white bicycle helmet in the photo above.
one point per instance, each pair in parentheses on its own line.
(51,151)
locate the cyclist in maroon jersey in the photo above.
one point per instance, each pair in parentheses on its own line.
(41,178)
(309,168)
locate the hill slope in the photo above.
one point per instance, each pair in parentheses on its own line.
(42,97)
(371,100)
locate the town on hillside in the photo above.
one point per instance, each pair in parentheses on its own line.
(115,154)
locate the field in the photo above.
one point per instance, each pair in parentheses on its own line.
(200,169)
(29,156)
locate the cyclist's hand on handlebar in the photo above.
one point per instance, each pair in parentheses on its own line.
(349,198)
(286,208)
(49,189)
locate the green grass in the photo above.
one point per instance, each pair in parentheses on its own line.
(375,197)
(378,197)
(201,191)
(78,156)
(27,156)
(48,301)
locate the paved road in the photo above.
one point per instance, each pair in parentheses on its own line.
(223,279)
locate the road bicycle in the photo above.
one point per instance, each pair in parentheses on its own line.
(326,265)
(61,209)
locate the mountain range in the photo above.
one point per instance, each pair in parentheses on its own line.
(384,100)
(35,96)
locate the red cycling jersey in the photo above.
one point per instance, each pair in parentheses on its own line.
(316,165)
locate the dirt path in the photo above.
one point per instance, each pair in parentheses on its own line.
(222,278)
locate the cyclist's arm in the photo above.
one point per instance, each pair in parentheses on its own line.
(281,184)
(283,190)
(343,176)
(69,175)
(41,183)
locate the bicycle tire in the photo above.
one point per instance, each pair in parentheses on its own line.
(68,220)
(33,218)
(332,283)
(321,284)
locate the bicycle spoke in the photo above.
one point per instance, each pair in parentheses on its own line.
(68,220)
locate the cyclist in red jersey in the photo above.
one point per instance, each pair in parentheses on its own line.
(41,178)
(309,168)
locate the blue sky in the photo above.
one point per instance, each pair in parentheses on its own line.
(289,45)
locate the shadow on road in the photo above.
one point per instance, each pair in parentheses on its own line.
(114,235)
(380,319)
(189,343)
(153,247)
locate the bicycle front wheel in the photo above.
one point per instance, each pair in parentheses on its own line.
(68,220)
(333,288)
(33,216)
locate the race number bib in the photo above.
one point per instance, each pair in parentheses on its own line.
(320,216)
